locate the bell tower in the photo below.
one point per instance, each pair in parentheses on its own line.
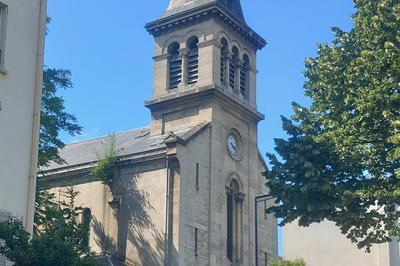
(205,65)
(203,47)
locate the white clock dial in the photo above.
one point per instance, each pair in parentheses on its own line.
(233,146)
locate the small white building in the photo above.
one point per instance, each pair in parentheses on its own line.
(324,245)
(22,24)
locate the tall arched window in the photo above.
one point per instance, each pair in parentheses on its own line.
(174,66)
(193,60)
(232,68)
(234,221)
(244,76)
(223,62)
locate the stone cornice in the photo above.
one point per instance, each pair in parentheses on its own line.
(196,94)
(81,169)
(212,10)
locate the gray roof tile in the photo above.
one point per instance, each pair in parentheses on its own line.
(129,142)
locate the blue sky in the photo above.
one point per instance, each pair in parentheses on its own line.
(109,52)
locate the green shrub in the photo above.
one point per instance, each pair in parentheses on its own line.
(281,262)
(106,164)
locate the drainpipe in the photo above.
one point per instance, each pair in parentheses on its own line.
(256,201)
(36,117)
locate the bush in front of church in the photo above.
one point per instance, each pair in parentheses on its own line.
(281,262)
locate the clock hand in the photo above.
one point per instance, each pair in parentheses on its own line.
(233,146)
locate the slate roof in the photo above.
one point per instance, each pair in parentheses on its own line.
(135,141)
(178,6)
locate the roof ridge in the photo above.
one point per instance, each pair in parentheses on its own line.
(106,136)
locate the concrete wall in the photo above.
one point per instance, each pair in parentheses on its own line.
(248,171)
(129,220)
(20,86)
(323,244)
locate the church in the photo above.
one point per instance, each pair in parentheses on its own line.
(184,189)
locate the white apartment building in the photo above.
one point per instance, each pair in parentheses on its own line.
(324,245)
(22,24)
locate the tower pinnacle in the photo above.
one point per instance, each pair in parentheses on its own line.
(178,6)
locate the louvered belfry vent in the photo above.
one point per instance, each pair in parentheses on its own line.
(244,76)
(193,61)
(224,51)
(174,66)
(232,68)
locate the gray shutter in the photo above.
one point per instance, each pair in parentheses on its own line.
(193,65)
(175,70)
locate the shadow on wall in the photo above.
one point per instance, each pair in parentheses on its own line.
(134,224)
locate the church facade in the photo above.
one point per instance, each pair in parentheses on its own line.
(184,189)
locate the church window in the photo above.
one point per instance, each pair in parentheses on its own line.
(223,62)
(193,60)
(234,221)
(196,242)
(86,219)
(174,65)
(232,68)
(197,177)
(244,76)
(3,22)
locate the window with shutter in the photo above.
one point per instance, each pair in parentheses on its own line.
(232,68)
(174,66)
(3,22)
(244,76)
(224,52)
(193,60)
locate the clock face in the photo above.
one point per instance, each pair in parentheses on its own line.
(233,145)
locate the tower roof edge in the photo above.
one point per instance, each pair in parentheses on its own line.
(178,6)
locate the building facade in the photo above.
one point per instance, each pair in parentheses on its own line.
(22,25)
(323,244)
(184,189)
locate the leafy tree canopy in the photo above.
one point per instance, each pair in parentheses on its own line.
(54,118)
(61,238)
(341,159)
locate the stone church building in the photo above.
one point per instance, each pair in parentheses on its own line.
(184,190)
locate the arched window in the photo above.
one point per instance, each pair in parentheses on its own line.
(174,66)
(234,221)
(232,68)
(86,219)
(223,62)
(193,60)
(244,76)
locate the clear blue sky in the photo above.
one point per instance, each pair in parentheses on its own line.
(109,52)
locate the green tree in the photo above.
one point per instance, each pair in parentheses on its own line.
(62,239)
(341,159)
(54,118)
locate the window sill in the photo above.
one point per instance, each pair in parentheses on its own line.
(3,71)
